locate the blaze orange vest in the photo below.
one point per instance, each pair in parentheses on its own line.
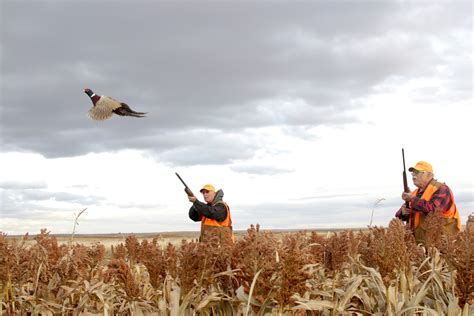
(227,222)
(452,212)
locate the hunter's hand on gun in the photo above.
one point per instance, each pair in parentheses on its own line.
(188,191)
(405,210)
(407,196)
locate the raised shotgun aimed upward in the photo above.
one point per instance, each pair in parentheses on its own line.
(406,189)
(186,188)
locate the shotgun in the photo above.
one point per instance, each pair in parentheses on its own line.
(405,181)
(186,188)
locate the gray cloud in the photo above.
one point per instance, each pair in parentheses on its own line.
(464,197)
(224,67)
(260,169)
(345,210)
(39,195)
(142,206)
(349,210)
(207,147)
(331,196)
(25,203)
(355,212)
(18,185)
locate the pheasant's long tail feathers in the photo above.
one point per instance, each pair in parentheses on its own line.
(136,114)
(127,111)
(123,111)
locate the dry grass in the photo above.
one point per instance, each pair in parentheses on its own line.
(378,271)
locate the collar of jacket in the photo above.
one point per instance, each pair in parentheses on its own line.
(218,197)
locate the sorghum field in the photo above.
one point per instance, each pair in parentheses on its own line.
(379,271)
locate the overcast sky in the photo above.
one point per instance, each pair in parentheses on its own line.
(297,110)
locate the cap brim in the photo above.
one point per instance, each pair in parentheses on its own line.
(411,169)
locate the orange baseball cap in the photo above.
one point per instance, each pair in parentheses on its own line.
(208,187)
(421,166)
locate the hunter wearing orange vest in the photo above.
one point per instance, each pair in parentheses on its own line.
(214,215)
(430,196)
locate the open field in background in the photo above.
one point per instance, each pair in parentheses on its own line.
(163,238)
(108,240)
(175,238)
(358,272)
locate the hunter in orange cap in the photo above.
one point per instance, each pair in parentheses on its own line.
(421,166)
(214,215)
(429,197)
(208,187)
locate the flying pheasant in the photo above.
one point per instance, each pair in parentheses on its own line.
(104,107)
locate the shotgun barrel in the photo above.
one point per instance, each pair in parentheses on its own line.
(405,181)
(186,188)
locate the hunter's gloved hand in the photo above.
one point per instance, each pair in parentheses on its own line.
(407,196)
(406,211)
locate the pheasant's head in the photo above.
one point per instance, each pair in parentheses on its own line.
(88,92)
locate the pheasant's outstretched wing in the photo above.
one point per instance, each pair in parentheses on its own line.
(100,113)
(103,109)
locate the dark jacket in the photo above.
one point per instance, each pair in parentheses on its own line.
(215,210)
